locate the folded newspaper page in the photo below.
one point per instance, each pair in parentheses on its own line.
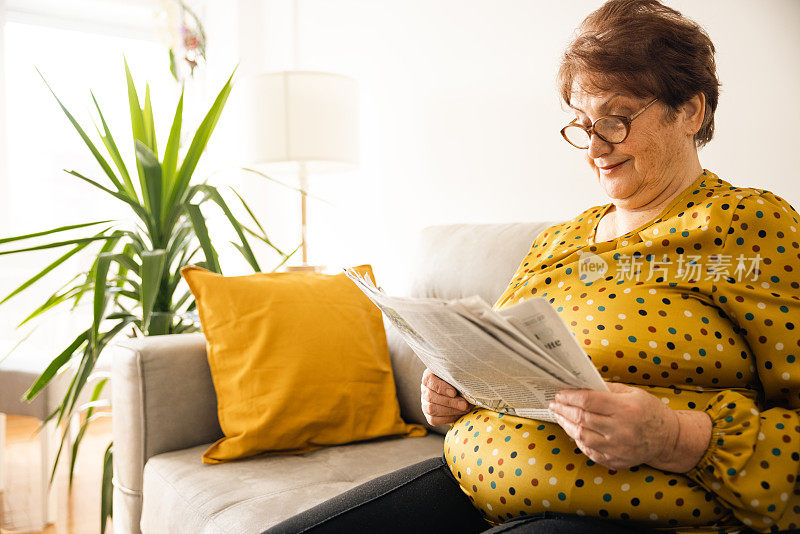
(512,360)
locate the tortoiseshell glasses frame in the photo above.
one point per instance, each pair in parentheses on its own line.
(612,129)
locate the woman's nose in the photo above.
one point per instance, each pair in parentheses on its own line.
(598,147)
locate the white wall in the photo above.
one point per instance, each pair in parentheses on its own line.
(3,152)
(460,115)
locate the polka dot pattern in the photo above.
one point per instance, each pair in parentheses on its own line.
(562,478)
(713,340)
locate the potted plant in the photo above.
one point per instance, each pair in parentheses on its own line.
(133,275)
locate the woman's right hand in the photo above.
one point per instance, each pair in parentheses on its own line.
(441,403)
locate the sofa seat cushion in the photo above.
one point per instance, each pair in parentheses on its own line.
(181,494)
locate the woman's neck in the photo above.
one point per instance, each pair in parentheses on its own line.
(624,219)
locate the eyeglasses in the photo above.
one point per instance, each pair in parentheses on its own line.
(610,128)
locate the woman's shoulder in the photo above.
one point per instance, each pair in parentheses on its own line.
(719,191)
(742,198)
(744,209)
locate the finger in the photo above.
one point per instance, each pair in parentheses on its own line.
(600,402)
(593,454)
(431,381)
(436,409)
(438,385)
(571,413)
(436,421)
(602,424)
(581,434)
(431,396)
(606,460)
(616,387)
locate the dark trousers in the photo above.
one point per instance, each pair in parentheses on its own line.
(425,497)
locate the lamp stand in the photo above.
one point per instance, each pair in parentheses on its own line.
(304,267)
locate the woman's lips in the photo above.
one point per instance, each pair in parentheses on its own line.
(612,168)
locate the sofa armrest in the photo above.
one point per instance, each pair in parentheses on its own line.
(163,400)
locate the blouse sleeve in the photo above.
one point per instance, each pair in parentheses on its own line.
(752,461)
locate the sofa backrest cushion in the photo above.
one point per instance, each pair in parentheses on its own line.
(454,261)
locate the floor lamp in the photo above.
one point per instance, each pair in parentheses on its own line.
(301,123)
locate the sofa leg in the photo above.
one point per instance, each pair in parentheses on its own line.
(2,452)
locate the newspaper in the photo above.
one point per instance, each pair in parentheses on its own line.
(513,360)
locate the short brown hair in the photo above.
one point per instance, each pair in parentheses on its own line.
(648,50)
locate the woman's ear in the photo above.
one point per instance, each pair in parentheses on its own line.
(694,112)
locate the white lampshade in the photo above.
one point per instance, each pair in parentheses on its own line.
(294,117)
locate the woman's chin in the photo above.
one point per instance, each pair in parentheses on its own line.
(617,188)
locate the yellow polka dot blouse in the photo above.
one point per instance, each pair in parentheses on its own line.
(700,307)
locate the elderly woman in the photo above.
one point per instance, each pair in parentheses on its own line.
(693,325)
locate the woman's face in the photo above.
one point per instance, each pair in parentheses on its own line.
(634,172)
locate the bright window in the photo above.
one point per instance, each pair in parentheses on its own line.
(41,143)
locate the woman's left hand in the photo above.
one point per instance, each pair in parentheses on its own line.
(619,428)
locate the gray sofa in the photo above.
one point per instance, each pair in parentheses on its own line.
(165,411)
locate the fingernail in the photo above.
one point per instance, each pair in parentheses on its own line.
(553,406)
(451,393)
(462,404)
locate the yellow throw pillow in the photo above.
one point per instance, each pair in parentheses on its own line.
(298,360)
